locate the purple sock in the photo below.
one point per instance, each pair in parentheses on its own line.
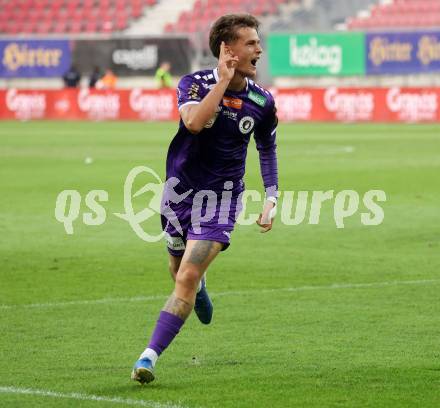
(167,327)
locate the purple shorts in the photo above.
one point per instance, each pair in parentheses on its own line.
(211,220)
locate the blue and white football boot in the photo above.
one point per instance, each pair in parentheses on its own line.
(143,371)
(203,306)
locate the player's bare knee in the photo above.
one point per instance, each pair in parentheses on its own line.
(188,277)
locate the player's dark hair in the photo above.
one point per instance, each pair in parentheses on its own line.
(225,29)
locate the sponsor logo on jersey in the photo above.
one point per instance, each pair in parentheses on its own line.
(246,124)
(230,115)
(175,243)
(207,77)
(257,98)
(193,92)
(234,103)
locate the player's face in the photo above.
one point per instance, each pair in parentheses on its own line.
(248,49)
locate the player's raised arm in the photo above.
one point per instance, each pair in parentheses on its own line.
(196,116)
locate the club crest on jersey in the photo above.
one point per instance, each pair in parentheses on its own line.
(246,124)
(257,98)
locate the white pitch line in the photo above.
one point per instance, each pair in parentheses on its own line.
(86,302)
(332,286)
(221,294)
(87,397)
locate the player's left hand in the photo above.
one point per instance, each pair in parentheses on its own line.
(265,220)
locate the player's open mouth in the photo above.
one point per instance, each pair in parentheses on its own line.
(254,62)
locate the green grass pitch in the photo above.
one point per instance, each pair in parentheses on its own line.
(305,316)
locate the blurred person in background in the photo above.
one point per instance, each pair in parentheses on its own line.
(94,77)
(108,81)
(72,77)
(163,76)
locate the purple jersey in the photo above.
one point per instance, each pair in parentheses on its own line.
(218,153)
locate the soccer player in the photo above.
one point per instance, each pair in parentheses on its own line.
(220,108)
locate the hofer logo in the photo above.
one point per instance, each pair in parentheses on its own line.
(413,106)
(349,105)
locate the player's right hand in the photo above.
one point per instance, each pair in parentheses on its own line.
(266,218)
(226,63)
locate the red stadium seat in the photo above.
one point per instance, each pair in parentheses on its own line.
(28,28)
(59,27)
(43,28)
(121,23)
(77,16)
(169,28)
(18,16)
(13,28)
(35,15)
(76,27)
(136,11)
(91,27)
(107,26)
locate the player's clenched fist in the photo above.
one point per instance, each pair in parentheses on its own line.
(226,63)
(265,220)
